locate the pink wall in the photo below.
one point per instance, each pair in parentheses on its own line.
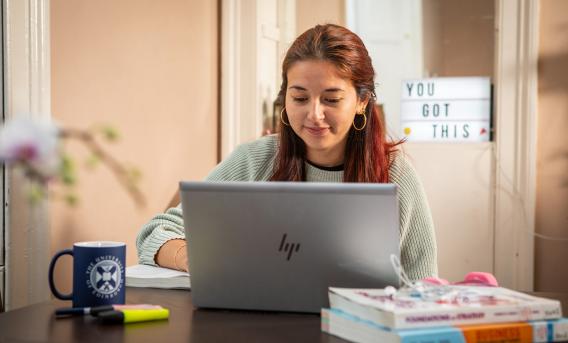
(149,68)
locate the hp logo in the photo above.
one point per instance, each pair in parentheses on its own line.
(288,247)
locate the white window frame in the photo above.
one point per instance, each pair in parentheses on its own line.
(516,54)
(27,94)
(240,115)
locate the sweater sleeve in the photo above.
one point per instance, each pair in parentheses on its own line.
(418,251)
(162,228)
(247,162)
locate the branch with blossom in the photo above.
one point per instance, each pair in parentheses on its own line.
(34,147)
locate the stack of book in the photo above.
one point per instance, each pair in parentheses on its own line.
(447,314)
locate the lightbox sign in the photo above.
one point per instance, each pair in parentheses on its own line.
(446,109)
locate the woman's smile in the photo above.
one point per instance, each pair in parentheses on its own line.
(317,131)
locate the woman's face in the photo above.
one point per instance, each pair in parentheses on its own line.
(321,106)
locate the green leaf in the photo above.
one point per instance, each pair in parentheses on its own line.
(67,171)
(71,199)
(110,133)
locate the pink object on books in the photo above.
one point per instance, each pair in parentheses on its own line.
(434,280)
(479,279)
(472,278)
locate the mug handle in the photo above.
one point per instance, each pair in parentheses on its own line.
(52,268)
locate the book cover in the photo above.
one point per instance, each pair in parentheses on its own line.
(349,327)
(455,305)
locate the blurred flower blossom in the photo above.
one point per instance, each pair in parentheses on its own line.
(32,144)
(34,147)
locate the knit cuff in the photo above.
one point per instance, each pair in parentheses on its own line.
(154,242)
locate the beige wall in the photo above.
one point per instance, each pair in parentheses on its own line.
(312,12)
(551,273)
(451,47)
(150,68)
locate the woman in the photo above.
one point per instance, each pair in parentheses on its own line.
(330,132)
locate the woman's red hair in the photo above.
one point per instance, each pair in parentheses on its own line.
(367,152)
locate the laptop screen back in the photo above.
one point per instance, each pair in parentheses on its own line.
(280,245)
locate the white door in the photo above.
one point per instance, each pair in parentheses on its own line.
(255,35)
(391,31)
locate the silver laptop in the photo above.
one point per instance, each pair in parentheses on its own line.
(278,246)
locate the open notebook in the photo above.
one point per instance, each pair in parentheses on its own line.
(156,277)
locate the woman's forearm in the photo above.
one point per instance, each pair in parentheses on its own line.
(173,255)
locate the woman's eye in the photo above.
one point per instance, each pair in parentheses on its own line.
(333,100)
(299,99)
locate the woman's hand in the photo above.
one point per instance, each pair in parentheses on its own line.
(173,255)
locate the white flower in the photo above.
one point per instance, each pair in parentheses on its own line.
(33,144)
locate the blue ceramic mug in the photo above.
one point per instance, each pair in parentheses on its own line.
(98,273)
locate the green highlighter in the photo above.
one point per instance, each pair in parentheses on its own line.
(133,315)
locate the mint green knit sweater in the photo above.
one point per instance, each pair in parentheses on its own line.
(254,162)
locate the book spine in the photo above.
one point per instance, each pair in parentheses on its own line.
(355,329)
(475,316)
(342,326)
(366,312)
(550,331)
(510,332)
(537,331)
(534,309)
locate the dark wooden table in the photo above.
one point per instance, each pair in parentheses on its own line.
(37,323)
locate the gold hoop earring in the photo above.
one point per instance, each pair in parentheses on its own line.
(364,121)
(282,117)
